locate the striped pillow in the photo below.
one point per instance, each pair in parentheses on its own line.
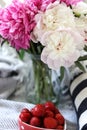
(78,91)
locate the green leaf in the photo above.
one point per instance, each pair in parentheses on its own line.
(2,42)
(76,14)
(21,54)
(82,58)
(62,70)
(80,66)
(85,48)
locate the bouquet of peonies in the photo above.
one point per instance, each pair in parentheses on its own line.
(54,29)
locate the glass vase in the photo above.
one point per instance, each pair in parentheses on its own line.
(42,82)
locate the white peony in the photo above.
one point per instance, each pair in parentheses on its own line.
(55,17)
(58,16)
(81,22)
(62,34)
(62,49)
(81,25)
(80,8)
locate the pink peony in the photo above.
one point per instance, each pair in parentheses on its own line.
(71,2)
(39,5)
(16,23)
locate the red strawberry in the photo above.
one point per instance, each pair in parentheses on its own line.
(35,121)
(56,111)
(25,110)
(50,123)
(49,113)
(49,106)
(38,110)
(60,119)
(25,117)
(60,127)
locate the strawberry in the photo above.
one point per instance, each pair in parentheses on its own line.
(49,106)
(56,111)
(49,113)
(43,116)
(35,121)
(25,110)
(50,123)
(60,127)
(38,110)
(60,119)
(25,117)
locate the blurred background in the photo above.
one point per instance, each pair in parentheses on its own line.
(13,71)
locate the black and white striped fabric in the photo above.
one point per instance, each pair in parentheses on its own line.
(78,91)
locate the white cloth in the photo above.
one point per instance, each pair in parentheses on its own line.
(12,70)
(9,113)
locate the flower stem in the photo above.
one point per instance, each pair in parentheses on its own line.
(43,85)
